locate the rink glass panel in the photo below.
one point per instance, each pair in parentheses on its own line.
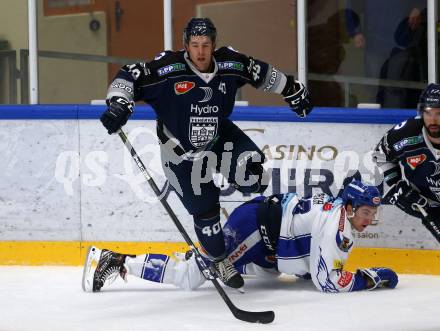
(363,51)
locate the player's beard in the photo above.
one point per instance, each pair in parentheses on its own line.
(432,130)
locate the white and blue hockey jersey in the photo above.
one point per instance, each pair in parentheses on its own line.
(316,239)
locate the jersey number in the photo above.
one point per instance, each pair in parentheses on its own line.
(255,69)
(135,72)
(222,87)
(210,230)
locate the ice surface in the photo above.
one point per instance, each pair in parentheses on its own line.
(51,298)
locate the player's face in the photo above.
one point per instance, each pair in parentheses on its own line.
(363,217)
(200,49)
(431,120)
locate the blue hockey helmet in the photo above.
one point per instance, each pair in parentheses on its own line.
(430,98)
(359,194)
(199,27)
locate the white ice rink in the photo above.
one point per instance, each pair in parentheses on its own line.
(51,298)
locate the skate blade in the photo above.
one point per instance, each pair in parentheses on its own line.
(240,290)
(90,265)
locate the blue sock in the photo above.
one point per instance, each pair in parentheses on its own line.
(154,267)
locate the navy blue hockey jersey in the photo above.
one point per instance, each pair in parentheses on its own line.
(191,105)
(405,152)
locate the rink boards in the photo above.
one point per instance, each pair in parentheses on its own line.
(66,183)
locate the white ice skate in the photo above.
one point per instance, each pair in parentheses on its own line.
(90,265)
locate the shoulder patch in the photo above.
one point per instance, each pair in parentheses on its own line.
(228,65)
(171,68)
(343,242)
(408,142)
(412,127)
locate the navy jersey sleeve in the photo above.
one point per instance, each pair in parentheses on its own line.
(249,70)
(392,147)
(136,82)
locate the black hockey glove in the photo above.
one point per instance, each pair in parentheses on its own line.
(117,114)
(297,96)
(406,198)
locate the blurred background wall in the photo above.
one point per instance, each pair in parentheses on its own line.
(357,50)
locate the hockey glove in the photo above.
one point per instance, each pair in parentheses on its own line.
(406,198)
(379,277)
(297,96)
(117,114)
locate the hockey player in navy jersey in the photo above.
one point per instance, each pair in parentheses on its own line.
(310,238)
(409,156)
(192,92)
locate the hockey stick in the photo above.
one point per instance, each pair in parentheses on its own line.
(421,209)
(263,317)
(430,225)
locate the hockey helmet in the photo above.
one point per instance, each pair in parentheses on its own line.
(199,27)
(430,98)
(359,194)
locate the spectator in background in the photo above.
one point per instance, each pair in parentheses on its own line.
(325,55)
(372,24)
(407,62)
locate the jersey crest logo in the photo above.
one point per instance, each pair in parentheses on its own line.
(414,161)
(327,206)
(202,130)
(208,93)
(183,87)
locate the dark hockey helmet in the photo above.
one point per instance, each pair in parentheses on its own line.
(199,27)
(430,98)
(359,194)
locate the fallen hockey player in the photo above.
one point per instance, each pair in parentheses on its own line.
(310,238)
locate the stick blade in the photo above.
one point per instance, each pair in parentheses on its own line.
(263,317)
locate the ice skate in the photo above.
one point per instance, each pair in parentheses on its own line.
(226,272)
(102,267)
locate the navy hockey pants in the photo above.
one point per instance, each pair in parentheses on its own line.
(243,240)
(201,197)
